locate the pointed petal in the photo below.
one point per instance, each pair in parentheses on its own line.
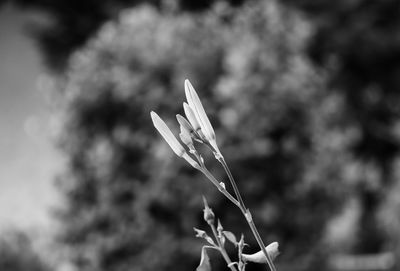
(185,137)
(195,103)
(184,123)
(167,134)
(191,117)
(188,95)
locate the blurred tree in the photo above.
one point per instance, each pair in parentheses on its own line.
(70,24)
(18,254)
(132,205)
(358,41)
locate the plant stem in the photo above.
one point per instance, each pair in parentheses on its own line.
(247,214)
(222,249)
(232,180)
(260,242)
(220,188)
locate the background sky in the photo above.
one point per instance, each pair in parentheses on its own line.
(28,158)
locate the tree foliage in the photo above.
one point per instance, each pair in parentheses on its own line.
(303,142)
(68,25)
(357,42)
(129,203)
(18,254)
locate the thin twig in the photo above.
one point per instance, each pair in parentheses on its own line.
(247,214)
(221,159)
(222,249)
(219,187)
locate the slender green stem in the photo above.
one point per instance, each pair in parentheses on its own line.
(232,180)
(260,243)
(220,188)
(222,249)
(247,214)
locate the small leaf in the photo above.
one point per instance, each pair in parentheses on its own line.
(209,240)
(204,235)
(200,233)
(231,237)
(204,261)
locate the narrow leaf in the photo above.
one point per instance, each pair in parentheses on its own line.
(231,237)
(210,240)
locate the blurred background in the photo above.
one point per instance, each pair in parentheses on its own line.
(304,97)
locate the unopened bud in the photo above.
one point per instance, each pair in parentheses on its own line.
(183,122)
(191,117)
(219,226)
(185,137)
(209,216)
(166,133)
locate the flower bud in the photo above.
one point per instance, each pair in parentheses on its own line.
(169,137)
(166,133)
(219,226)
(209,216)
(186,138)
(184,123)
(196,105)
(191,117)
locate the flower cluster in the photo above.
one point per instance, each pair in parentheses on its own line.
(196,126)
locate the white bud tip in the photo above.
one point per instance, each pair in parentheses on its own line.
(166,133)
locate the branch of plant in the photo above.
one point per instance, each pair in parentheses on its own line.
(246,213)
(259,241)
(208,174)
(222,249)
(221,159)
